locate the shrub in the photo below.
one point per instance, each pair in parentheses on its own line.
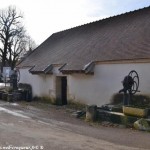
(137,100)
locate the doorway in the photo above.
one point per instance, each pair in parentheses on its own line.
(61,90)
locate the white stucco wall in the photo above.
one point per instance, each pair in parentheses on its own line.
(42,85)
(91,89)
(106,81)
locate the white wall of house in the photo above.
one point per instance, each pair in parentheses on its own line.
(90,89)
(106,81)
(42,85)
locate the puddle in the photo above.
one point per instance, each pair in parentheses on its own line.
(13,113)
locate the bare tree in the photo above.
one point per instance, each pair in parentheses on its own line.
(13,39)
(28,45)
(16,48)
(19,47)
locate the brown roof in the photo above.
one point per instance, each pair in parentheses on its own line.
(122,37)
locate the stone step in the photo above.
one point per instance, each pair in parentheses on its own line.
(116,117)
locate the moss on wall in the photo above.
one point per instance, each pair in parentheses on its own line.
(45,99)
(116,99)
(76,104)
(137,99)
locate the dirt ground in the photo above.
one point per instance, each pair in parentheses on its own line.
(40,126)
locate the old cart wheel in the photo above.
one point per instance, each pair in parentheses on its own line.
(134,75)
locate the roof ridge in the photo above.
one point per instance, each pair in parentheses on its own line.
(104,19)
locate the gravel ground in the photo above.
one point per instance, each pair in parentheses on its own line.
(54,127)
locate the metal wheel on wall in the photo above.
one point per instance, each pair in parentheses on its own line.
(135,77)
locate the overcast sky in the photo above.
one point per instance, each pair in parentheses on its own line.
(44,17)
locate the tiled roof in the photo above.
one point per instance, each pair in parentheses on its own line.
(122,37)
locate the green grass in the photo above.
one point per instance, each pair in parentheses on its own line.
(44,99)
(76,105)
(71,103)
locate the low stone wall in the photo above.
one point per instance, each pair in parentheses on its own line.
(93,113)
